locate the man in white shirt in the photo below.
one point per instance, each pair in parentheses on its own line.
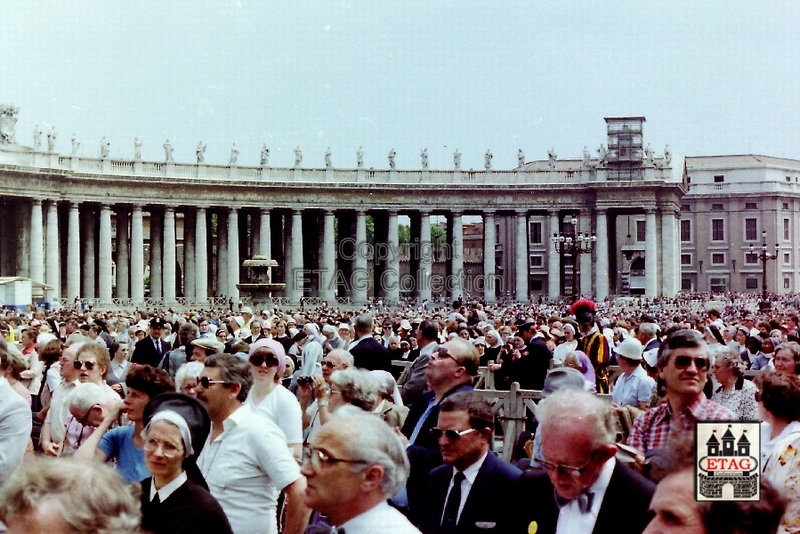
(356,463)
(246,460)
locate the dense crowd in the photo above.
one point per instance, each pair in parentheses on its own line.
(264,421)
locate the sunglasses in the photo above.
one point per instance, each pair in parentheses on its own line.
(328,364)
(683,362)
(566,470)
(79,364)
(259,359)
(450,434)
(206,383)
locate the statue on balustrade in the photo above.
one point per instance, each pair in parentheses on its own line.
(51,139)
(667,156)
(298,156)
(487,160)
(457,159)
(424,157)
(360,157)
(201,152)
(75,144)
(328,155)
(8,119)
(520,158)
(234,154)
(137,149)
(37,138)
(392,155)
(601,155)
(551,158)
(648,153)
(105,147)
(168,151)
(587,158)
(264,155)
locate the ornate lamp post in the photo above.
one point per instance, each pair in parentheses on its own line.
(574,244)
(764,256)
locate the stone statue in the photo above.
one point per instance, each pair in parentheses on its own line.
(234,154)
(264,155)
(328,155)
(37,138)
(75,144)
(667,156)
(298,156)
(424,156)
(8,119)
(137,149)
(168,151)
(551,158)
(51,139)
(487,160)
(201,152)
(392,155)
(648,153)
(602,154)
(457,159)
(105,147)
(520,158)
(360,157)
(587,158)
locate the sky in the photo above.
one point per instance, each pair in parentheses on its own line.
(711,77)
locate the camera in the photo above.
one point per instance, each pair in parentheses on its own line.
(304,380)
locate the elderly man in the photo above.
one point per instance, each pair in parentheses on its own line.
(355,464)
(414,382)
(646,334)
(317,413)
(53,429)
(683,366)
(472,490)
(368,353)
(583,488)
(633,387)
(246,460)
(204,347)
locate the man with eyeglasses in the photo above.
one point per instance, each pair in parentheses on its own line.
(317,413)
(683,366)
(356,464)
(583,489)
(472,490)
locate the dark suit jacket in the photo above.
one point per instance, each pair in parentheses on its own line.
(144,352)
(371,355)
(486,504)
(624,508)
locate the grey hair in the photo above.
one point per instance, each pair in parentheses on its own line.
(569,408)
(372,441)
(358,387)
(86,395)
(731,360)
(187,370)
(792,347)
(364,324)
(648,329)
(680,339)
(345,357)
(234,370)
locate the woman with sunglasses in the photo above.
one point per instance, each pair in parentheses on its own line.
(268,396)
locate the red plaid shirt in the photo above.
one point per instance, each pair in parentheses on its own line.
(652,429)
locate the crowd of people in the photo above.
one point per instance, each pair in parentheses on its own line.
(334,420)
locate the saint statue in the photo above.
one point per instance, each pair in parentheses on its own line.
(648,154)
(551,158)
(264,155)
(298,156)
(392,155)
(602,154)
(105,147)
(137,149)
(360,157)
(75,144)
(201,152)
(37,138)
(234,154)
(487,160)
(457,159)
(424,157)
(328,155)
(520,158)
(587,158)
(667,156)
(168,151)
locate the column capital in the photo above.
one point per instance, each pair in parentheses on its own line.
(330,213)
(361,212)
(553,213)
(36,201)
(456,213)
(599,209)
(264,211)
(489,213)
(650,210)
(105,207)
(297,211)
(423,213)
(521,213)
(169,209)
(200,210)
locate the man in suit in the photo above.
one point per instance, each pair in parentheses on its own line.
(583,489)
(152,348)
(368,353)
(415,382)
(470,493)
(15,422)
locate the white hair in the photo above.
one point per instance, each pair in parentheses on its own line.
(187,370)
(86,395)
(569,408)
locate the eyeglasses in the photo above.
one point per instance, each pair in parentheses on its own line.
(450,434)
(319,458)
(170,450)
(206,383)
(259,359)
(442,354)
(77,364)
(683,362)
(329,364)
(574,472)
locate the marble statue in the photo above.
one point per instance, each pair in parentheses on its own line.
(8,119)
(360,157)
(520,158)
(75,144)
(328,155)
(587,158)
(168,151)
(487,160)
(137,149)
(201,152)
(424,156)
(457,159)
(234,154)
(648,153)
(264,155)
(392,155)
(51,139)
(667,156)
(298,156)
(551,158)
(602,154)
(37,138)
(105,147)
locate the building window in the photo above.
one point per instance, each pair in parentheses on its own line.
(751,258)
(786,258)
(786,205)
(786,284)
(719,178)
(641,235)
(750,229)
(686,207)
(718,258)
(788,178)
(686,259)
(717,207)
(686,230)
(536,261)
(719,284)
(536,285)
(751,283)
(536,233)
(717,230)
(786,229)
(686,284)
(750,206)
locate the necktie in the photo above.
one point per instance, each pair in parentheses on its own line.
(450,518)
(158,347)
(584,501)
(156,500)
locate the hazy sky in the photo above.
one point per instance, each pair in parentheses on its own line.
(712,77)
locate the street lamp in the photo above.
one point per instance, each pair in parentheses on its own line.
(764,256)
(573,244)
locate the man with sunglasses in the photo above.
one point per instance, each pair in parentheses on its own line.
(683,366)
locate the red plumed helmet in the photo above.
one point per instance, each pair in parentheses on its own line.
(583,310)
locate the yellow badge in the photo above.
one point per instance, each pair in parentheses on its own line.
(533,528)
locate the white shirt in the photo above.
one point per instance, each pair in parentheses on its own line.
(470,473)
(246,467)
(381,519)
(570,518)
(167,489)
(281,407)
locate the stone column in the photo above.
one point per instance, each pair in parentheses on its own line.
(457,256)
(521,252)
(255,234)
(137,255)
(156,258)
(73,253)
(89,258)
(222,254)
(37,242)
(489,245)
(23,248)
(288,268)
(296,280)
(233,255)
(201,259)
(169,255)
(601,248)
(670,254)
(327,277)
(426,257)
(265,246)
(391,277)
(585,226)
(553,261)
(651,254)
(189,265)
(360,278)
(123,258)
(106,261)
(53,267)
